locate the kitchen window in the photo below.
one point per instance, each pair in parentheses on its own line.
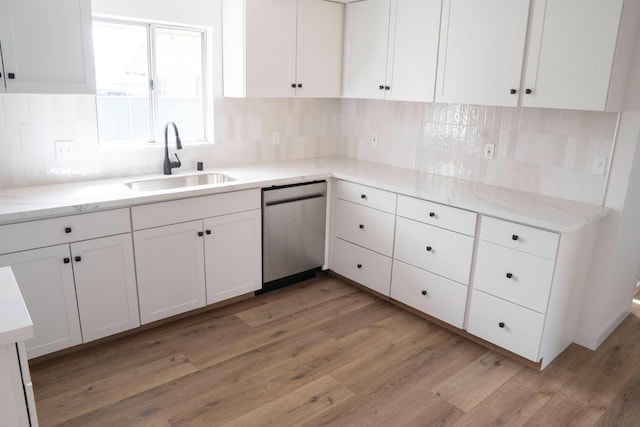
(146,76)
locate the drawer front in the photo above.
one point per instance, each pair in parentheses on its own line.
(367,196)
(363,226)
(431,248)
(176,211)
(362,266)
(505,324)
(432,294)
(520,237)
(55,231)
(454,219)
(512,275)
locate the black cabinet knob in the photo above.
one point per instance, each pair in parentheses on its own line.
(66,260)
(299,84)
(293,85)
(514,237)
(509,275)
(513,91)
(381,87)
(424,292)
(208,232)
(432,214)
(387,88)
(528,91)
(429,248)
(67,230)
(11,75)
(78,258)
(501,324)
(361,226)
(200,233)
(363,196)
(359,265)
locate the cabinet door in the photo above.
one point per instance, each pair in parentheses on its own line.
(170,270)
(413,49)
(319,50)
(106,286)
(13,407)
(571,49)
(233,255)
(271,48)
(366,35)
(481,51)
(47,46)
(45,278)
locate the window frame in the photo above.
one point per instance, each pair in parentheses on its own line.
(156,134)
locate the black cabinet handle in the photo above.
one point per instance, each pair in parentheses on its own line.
(299,84)
(513,91)
(514,237)
(528,91)
(66,260)
(67,230)
(361,226)
(293,85)
(432,214)
(424,292)
(11,75)
(200,233)
(501,324)
(208,232)
(78,258)
(509,275)
(381,87)
(363,196)
(359,265)
(429,248)
(387,88)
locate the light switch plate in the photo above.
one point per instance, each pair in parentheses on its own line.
(489,151)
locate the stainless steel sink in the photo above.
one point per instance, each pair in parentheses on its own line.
(179,181)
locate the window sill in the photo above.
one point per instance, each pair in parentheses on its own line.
(141,146)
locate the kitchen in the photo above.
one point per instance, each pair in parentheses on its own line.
(446,138)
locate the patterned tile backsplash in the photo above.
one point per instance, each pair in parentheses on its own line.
(537,150)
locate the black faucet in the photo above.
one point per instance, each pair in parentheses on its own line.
(168,164)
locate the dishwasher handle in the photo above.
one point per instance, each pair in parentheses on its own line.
(294,199)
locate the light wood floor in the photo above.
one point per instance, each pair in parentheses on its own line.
(326,353)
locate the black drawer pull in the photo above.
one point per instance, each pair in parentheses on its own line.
(363,196)
(359,265)
(429,248)
(200,233)
(78,258)
(514,237)
(66,260)
(67,230)
(361,226)
(432,214)
(501,324)
(381,87)
(424,292)
(509,275)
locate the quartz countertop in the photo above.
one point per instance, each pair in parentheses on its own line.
(15,322)
(27,203)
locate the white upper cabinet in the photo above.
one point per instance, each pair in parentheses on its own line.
(482,46)
(47,46)
(282,48)
(391,49)
(570,54)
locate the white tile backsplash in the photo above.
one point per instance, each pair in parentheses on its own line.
(543,151)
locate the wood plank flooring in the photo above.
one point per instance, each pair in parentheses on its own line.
(324,352)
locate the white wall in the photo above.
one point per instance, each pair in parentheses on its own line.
(614,266)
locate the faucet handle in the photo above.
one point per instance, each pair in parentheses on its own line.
(176,164)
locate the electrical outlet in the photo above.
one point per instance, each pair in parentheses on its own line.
(374,139)
(66,149)
(489,151)
(599,166)
(275,138)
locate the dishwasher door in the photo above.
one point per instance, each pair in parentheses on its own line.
(293,224)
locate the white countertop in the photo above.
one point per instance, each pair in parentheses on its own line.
(20,204)
(15,322)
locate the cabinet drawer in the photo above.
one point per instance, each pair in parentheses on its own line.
(520,237)
(175,211)
(361,265)
(55,231)
(505,324)
(429,293)
(512,275)
(367,196)
(454,219)
(363,226)
(431,248)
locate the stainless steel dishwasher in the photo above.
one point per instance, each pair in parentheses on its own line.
(293,232)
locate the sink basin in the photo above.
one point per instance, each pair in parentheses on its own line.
(179,181)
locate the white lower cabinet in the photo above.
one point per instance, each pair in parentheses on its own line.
(508,325)
(434,295)
(361,265)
